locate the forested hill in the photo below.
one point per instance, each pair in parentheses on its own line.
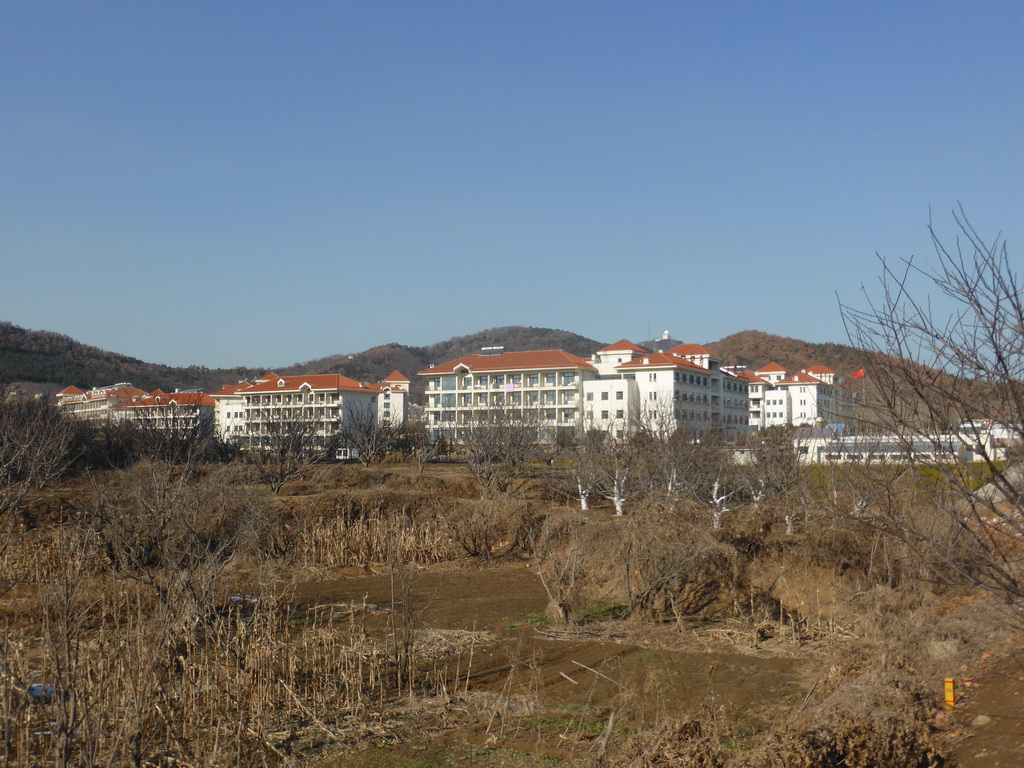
(375,363)
(46,358)
(50,361)
(756,348)
(47,361)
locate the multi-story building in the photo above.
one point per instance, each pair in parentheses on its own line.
(177,411)
(97,403)
(248,412)
(621,388)
(546,383)
(812,396)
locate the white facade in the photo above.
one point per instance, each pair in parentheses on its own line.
(96,404)
(246,412)
(621,388)
(814,396)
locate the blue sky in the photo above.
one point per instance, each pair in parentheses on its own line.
(256,183)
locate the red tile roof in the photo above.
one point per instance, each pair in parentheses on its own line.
(158,399)
(325,381)
(661,360)
(751,377)
(120,393)
(820,370)
(624,345)
(72,390)
(799,378)
(232,389)
(772,368)
(512,361)
(395,376)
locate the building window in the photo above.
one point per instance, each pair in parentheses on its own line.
(590,397)
(604,395)
(618,394)
(549,379)
(533,379)
(604,415)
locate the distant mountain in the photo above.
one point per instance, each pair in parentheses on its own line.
(754,349)
(46,362)
(375,363)
(49,361)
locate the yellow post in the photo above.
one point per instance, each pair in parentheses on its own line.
(950,692)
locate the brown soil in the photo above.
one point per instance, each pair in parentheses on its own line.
(990,712)
(548,692)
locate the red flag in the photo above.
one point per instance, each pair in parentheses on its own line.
(858,374)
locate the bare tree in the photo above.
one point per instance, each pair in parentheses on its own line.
(710,475)
(948,383)
(282,450)
(773,471)
(370,437)
(172,435)
(585,470)
(617,465)
(497,445)
(420,445)
(37,445)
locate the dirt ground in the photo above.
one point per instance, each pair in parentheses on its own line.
(531,692)
(990,712)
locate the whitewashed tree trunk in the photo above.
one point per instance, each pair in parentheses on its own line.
(584,494)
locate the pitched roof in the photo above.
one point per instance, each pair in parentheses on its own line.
(662,360)
(395,375)
(158,399)
(324,381)
(820,370)
(772,368)
(799,378)
(118,393)
(748,376)
(623,345)
(692,350)
(72,390)
(512,361)
(231,389)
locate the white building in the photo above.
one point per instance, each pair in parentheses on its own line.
(177,411)
(246,412)
(812,396)
(97,403)
(621,388)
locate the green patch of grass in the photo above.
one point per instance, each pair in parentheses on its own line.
(530,620)
(566,724)
(515,753)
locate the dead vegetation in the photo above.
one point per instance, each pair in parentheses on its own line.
(154,621)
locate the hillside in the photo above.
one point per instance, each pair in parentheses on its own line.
(46,361)
(45,358)
(377,362)
(756,348)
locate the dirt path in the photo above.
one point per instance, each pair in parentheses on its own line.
(532,687)
(992,713)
